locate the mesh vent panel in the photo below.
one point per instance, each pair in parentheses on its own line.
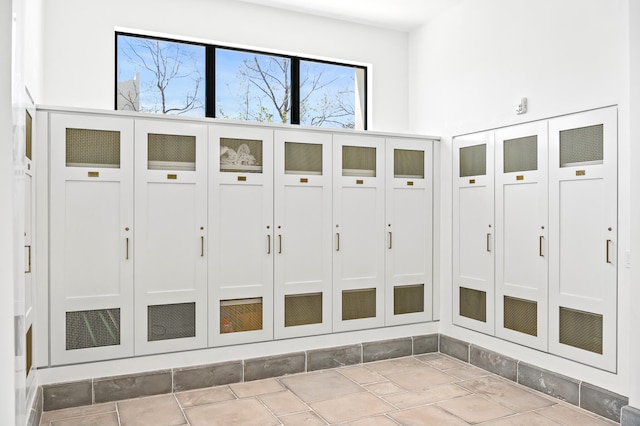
(302,158)
(29,343)
(473,160)
(581,330)
(358,161)
(521,154)
(408,163)
(93,148)
(240,155)
(240,315)
(582,146)
(92,329)
(301,309)
(171,152)
(173,321)
(473,304)
(408,299)
(358,304)
(28,136)
(521,315)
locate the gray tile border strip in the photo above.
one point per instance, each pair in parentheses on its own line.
(494,362)
(553,384)
(108,389)
(630,416)
(454,347)
(601,401)
(386,349)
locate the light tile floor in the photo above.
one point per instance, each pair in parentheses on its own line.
(428,389)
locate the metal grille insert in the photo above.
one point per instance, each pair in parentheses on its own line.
(29,344)
(92,329)
(408,299)
(580,329)
(175,321)
(93,148)
(358,161)
(171,152)
(408,163)
(240,315)
(473,160)
(521,315)
(240,155)
(357,304)
(582,146)
(302,158)
(521,154)
(473,304)
(28,135)
(302,309)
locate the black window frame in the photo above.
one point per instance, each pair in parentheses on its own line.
(210,74)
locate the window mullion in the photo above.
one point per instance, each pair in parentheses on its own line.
(295,91)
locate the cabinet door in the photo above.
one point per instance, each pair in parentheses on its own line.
(302,233)
(91,268)
(29,258)
(358,216)
(170,233)
(583,237)
(473,232)
(241,245)
(409,231)
(521,234)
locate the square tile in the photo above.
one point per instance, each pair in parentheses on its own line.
(320,386)
(510,395)
(384,388)
(204,396)
(239,412)
(465,373)
(415,398)
(570,416)
(86,410)
(283,403)
(308,418)
(394,365)
(427,415)
(361,375)
(104,419)
(160,410)
(474,409)
(423,377)
(350,407)
(259,387)
(446,363)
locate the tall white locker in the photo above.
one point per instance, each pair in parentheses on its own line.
(521,234)
(583,237)
(473,232)
(303,233)
(91,232)
(409,231)
(170,234)
(241,247)
(358,216)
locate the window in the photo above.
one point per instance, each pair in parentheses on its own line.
(174,77)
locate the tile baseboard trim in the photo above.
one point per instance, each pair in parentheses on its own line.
(102,389)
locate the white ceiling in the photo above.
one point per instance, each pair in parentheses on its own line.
(402,15)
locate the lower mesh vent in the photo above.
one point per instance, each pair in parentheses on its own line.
(521,315)
(357,304)
(302,309)
(581,330)
(29,344)
(408,299)
(92,329)
(473,304)
(173,321)
(240,315)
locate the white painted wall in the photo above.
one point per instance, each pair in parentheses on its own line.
(468,69)
(79,45)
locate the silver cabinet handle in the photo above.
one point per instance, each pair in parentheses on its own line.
(268,243)
(279,243)
(390,240)
(201,246)
(127,257)
(28,271)
(541,238)
(489,242)
(338,239)
(607,259)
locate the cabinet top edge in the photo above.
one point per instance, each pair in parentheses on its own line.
(228,122)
